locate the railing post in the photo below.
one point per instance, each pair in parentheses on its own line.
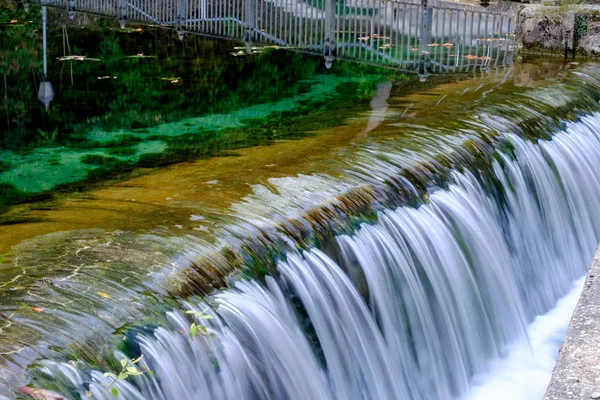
(44,42)
(71,8)
(250,18)
(45,92)
(122,12)
(425,35)
(329,46)
(181,22)
(203,9)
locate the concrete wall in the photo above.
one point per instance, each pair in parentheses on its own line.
(577,373)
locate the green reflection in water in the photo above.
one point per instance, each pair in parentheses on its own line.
(140,98)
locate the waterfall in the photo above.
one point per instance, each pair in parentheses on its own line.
(410,307)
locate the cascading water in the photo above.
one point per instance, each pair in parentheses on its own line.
(410,307)
(413,242)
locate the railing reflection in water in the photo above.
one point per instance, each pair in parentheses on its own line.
(408,35)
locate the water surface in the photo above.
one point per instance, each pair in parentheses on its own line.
(166,171)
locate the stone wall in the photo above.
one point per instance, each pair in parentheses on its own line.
(566,31)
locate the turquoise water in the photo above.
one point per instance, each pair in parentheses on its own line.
(137,98)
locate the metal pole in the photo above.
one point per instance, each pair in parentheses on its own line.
(45,92)
(71,7)
(181,14)
(329,48)
(250,17)
(122,12)
(426,28)
(44,43)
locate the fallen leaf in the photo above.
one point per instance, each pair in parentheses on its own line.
(40,394)
(77,58)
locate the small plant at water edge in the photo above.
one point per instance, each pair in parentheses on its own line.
(195,328)
(128,368)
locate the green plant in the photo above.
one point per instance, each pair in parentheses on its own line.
(195,328)
(580,27)
(128,368)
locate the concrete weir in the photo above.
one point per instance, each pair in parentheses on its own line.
(577,372)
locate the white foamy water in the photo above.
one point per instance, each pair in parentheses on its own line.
(526,371)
